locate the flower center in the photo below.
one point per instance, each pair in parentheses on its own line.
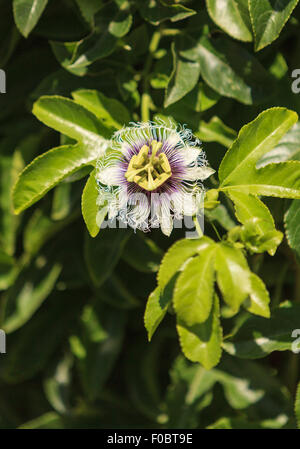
(148,170)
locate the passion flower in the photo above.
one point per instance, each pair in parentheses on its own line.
(151,174)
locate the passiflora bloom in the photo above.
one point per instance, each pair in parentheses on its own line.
(151,174)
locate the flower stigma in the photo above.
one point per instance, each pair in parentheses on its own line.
(149,171)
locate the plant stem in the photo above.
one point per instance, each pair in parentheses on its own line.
(146,99)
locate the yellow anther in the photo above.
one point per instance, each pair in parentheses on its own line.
(149,171)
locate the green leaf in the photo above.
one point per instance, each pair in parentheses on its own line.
(8,222)
(73,120)
(232,275)
(156,309)
(143,380)
(46,171)
(110,111)
(254,140)
(216,131)
(176,256)
(250,210)
(27,14)
(103,253)
(232,16)
(259,299)
(268,19)
(202,342)
(222,216)
(230,70)
(89,206)
(89,9)
(50,420)
(102,332)
(257,337)
(288,148)
(114,292)
(280,180)
(111,23)
(201,98)
(193,295)
(8,270)
(27,294)
(183,79)
(142,254)
(249,206)
(33,344)
(62,201)
(292,230)
(157,11)
(57,384)
(40,228)
(189,392)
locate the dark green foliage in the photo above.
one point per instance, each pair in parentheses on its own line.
(75,299)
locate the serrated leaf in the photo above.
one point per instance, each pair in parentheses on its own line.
(176,256)
(73,120)
(229,69)
(288,148)
(232,275)
(250,209)
(109,110)
(232,16)
(268,19)
(46,171)
(259,299)
(193,294)
(280,180)
(254,140)
(249,206)
(216,131)
(202,342)
(257,337)
(27,14)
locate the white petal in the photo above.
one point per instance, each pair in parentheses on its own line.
(189,204)
(194,173)
(191,154)
(173,139)
(109,176)
(177,199)
(138,214)
(164,214)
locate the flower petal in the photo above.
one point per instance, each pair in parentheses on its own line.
(201,173)
(109,176)
(191,154)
